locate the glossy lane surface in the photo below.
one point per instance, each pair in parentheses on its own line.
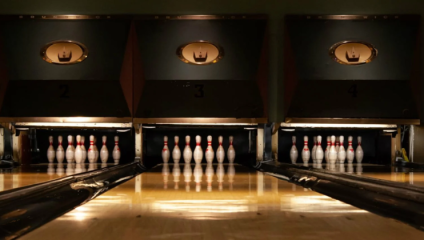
(38,173)
(217,202)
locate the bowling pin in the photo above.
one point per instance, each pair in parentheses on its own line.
(209,176)
(70,151)
(332,153)
(51,153)
(104,153)
(350,155)
(341,155)
(60,152)
(314,149)
(116,153)
(165,174)
(187,153)
(359,169)
(92,166)
(198,152)
(337,144)
(220,152)
(319,154)
(176,172)
(359,152)
(327,149)
(96,150)
(165,150)
(306,154)
(187,175)
(220,172)
(78,151)
(83,150)
(198,173)
(176,152)
(209,153)
(231,152)
(294,154)
(91,151)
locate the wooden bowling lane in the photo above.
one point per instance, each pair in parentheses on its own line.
(217,202)
(38,173)
(403,175)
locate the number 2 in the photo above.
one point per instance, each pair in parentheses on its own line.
(65,91)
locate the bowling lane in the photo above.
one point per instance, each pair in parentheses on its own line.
(38,173)
(404,175)
(217,202)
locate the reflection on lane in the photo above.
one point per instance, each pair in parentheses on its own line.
(38,173)
(217,201)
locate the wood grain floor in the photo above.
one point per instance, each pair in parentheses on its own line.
(168,203)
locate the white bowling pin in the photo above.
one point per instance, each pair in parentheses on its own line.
(91,154)
(51,153)
(359,152)
(294,154)
(70,151)
(209,176)
(209,153)
(341,155)
(96,150)
(84,151)
(187,175)
(337,144)
(198,173)
(176,152)
(92,166)
(220,152)
(314,149)
(327,149)
(306,154)
(332,153)
(220,172)
(116,153)
(176,172)
(319,154)
(198,152)
(350,155)
(78,150)
(104,152)
(231,152)
(187,153)
(60,152)
(165,150)
(359,169)
(165,174)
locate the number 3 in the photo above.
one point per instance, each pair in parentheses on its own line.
(199,93)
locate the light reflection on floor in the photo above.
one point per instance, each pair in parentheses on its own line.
(217,202)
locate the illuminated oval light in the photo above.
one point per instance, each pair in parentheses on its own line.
(64,52)
(353,52)
(200,53)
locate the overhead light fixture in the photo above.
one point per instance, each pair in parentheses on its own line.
(149,127)
(123,130)
(389,130)
(249,128)
(74,124)
(337,125)
(288,129)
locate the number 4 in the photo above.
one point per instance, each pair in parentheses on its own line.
(353,90)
